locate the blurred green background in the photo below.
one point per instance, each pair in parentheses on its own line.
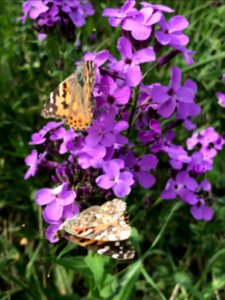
(177,257)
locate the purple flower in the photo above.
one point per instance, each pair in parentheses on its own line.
(170,33)
(69,211)
(189,125)
(192,141)
(79,13)
(187,54)
(66,5)
(156,7)
(50,233)
(55,200)
(198,164)
(33,160)
(50,17)
(221,98)
(178,157)
(112,94)
(187,109)
(120,182)
(39,137)
(141,24)
(104,134)
(89,156)
(33,9)
(201,211)
(41,36)
(117,15)
(209,141)
(61,12)
(67,136)
(169,97)
(129,65)
(183,186)
(153,135)
(141,168)
(99,58)
(145,101)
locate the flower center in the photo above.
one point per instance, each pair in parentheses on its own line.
(128,61)
(171,92)
(111,99)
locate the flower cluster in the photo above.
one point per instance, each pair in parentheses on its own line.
(134,137)
(68,14)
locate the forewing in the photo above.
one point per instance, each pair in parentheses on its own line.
(59,101)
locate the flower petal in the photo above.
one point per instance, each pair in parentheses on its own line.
(50,233)
(124,47)
(146,179)
(133,76)
(67,197)
(185,94)
(44,196)
(175,77)
(104,182)
(160,94)
(167,108)
(144,55)
(121,189)
(122,95)
(177,23)
(53,211)
(141,32)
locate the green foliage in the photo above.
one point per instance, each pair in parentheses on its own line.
(177,257)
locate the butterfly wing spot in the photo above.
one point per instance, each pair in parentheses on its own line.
(49,110)
(103,250)
(52,98)
(64,90)
(65,105)
(78,122)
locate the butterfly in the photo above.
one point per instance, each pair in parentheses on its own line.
(72,99)
(103,229)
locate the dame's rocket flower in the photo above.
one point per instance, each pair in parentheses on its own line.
(129,65)
(55,200)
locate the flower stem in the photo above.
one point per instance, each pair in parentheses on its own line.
(132,112)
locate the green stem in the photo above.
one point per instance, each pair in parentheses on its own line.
(132,112)
(152,284)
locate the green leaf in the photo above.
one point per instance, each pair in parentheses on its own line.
(96,263)
(76,264)
(127,286)
(69,247)
(108,287)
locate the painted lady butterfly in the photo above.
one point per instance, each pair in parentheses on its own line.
(72,99)
(103,229)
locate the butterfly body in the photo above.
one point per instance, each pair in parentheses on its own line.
(103,229)
(72,99)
